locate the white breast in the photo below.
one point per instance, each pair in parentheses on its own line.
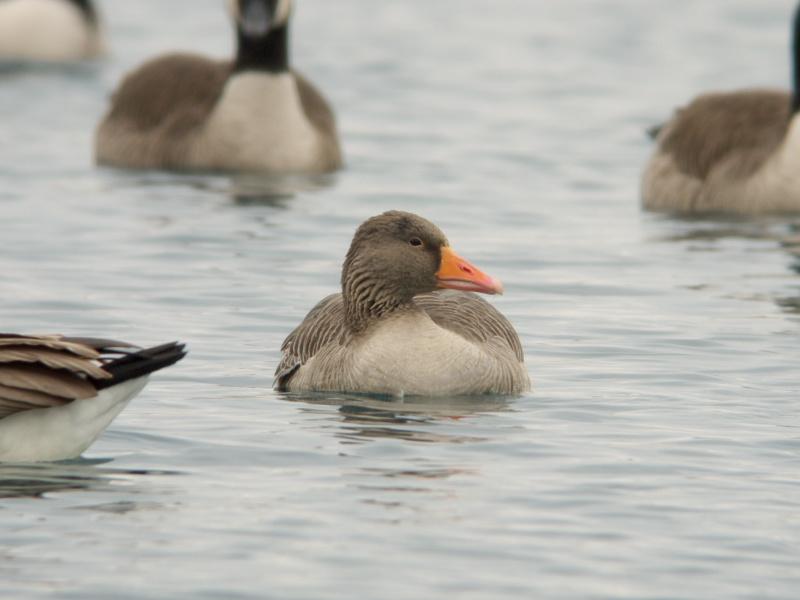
(412,355)
(776,186)
(788,159)
(45,30)
(63,432)
(258,124)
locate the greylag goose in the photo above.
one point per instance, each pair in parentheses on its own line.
(406,322)
(58,394)
(736,152)
(49,30)
(252,114)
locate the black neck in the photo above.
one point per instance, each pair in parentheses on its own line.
(87,8)
(269,53)
(796,62)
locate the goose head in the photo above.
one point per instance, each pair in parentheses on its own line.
(262,34)
(398,255)
(258,18)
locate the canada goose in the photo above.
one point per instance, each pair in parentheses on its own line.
(393,331)
(49,30)
(58,394)
(736,152)
(183,111)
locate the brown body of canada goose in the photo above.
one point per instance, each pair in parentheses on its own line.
(58,394)
(184,111)
(407,322)
(736,152)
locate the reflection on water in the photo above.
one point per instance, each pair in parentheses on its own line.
(421,406)
(276,190)
(361,433)
(791,304)
(791,243)
(730,228)
(117,179)
(80,70)
(363,417)
(248,189)
(704,235)
(432,473)
(35,480)
(380,483)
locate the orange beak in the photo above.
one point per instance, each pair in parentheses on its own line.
(459,274)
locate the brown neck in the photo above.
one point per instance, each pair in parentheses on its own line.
(366,299)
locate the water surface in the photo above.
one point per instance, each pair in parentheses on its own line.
(657,456)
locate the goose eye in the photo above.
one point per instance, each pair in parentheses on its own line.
(415,242)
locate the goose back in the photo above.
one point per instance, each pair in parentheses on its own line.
(158,111)
(734,152)
(745,127)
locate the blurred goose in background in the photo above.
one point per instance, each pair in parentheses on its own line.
(394,330)
(736,152)
(49,30)
(183,111)
(58,394)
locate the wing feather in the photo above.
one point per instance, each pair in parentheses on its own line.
(315,106)
(14,400)
(44,371)
(745,127)
(54,342)
(323,324)
(52,359)
(471,317)
(52,370)
(40,378)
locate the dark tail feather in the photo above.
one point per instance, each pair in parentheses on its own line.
(139,363)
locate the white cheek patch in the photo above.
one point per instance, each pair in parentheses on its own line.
(256,19)
(233,9)
(283,11)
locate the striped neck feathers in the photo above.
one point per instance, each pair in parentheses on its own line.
(368,298)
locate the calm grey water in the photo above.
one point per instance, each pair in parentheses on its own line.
(658,455)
